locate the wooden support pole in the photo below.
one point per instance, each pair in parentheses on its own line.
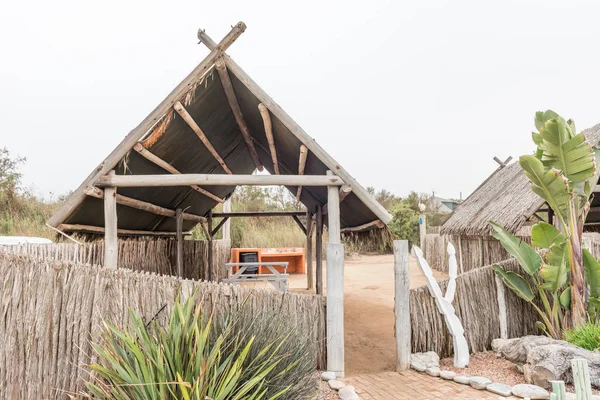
(422,229)
(179,219)
(369,225)
(345,190)
(192,124)
(301,166)
(111,241)
(209,257)
(148,155)
(309,251)
(139,131)
(237,111)
(120,232)
(401,305)
(142,205)
(219,225)
(335,308)
(300,224)
(333,226)
(319,250)
(227,225)
(217,180)
(259,214)
(266,116)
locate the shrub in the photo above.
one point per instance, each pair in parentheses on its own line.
(585,335)
(239,356)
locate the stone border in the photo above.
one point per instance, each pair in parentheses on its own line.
(345,392)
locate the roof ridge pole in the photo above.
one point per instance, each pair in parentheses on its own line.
(237,111)
(192,124)
(139,131)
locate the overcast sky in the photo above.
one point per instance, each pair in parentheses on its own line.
(405,95)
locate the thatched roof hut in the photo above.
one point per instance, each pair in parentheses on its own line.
(507,199)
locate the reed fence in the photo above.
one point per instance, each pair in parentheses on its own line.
(53,310)
(149,255)
(476,304)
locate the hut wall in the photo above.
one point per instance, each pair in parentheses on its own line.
(53,311)
(476,305)
(155,255)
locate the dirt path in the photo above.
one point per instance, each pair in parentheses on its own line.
(369,311)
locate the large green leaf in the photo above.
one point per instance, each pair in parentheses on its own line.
(516,283)
(549,185)
(591,269)
(544,235)
(565,150)
(527,257)
(554,271)
(565,298)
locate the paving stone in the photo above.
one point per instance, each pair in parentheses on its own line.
(328,376)
(448,375)
(479,382)
(499,388)
(335,384)
(530,391)
(348,393)
(433,371)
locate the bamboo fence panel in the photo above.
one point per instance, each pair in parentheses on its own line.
(476,305)
(53,310)
(156,255)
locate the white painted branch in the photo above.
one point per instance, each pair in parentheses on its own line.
(148,155)
(452,273)
(461,347)
(192,124)
(266,116)
(217,180)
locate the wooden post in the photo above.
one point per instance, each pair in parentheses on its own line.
(111,240)
(502,316)
(209,257)
(422,230)
(319,250)
(333,212)
(179,220)
(309,264)
(401,305)
(301,165)
(227,225)
(335,308)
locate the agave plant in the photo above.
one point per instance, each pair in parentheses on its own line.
(563,172)
(195,357)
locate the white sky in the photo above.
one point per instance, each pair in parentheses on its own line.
(405,95)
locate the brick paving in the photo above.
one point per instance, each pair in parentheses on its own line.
(411,385)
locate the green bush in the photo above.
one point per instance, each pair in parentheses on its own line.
(586,336)
(239,356)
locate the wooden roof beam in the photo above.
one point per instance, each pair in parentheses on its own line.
(237,111)
(98,193)
(264,112)
(301,166)
(148,155)
(124,232)
(192,124)
(373,224)
(139,131)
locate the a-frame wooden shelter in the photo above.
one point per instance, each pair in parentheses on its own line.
(205,138)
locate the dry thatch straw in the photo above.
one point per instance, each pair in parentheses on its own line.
(505,198)
(53,310)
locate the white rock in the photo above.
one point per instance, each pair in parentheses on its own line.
(571,396)
(328,376)
(418,366)
(530,391)
(479,382)
(465,380)
(499,388)
(430,359)
(433,371)
(348,393)
(335,384)
(449,375)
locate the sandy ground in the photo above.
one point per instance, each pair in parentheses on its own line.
(369,310)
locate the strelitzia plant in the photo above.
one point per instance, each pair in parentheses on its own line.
(563,172)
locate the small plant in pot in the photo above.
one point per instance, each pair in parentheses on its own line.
(563,172)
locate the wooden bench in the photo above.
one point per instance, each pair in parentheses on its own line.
(277,279)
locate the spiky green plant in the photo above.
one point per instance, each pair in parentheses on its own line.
(194,357)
